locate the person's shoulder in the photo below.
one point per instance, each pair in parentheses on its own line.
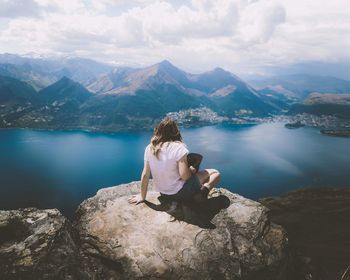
(148,148)
(178,145)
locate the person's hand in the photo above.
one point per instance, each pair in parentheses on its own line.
(192,169)
(135,199)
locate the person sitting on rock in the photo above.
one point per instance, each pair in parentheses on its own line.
(166,158)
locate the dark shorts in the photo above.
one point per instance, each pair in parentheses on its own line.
(186,193)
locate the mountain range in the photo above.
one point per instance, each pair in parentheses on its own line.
(299,86)
(324,104)
(41,72)
(83,93)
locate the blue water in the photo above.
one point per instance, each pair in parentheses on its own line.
(59,169)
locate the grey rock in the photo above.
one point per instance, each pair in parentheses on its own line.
(123,241)
(36,244)
(112,239)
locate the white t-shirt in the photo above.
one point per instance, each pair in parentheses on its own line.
(165,171)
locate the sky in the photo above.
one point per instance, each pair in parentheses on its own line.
(247,37)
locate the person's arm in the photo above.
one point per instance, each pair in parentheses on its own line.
(146,172)
(185,171)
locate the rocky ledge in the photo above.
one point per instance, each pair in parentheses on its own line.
(318,224)
(111,239)
(36,244)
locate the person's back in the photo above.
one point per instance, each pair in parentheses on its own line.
(165,158)
(164,169)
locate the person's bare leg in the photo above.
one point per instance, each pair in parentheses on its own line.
(203,176)
(209,179)
(213,179)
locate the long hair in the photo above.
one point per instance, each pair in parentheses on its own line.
(165,131)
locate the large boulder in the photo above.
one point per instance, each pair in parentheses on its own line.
(111,239)
(36,244)
(123,241)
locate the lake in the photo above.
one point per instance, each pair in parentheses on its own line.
(59,169)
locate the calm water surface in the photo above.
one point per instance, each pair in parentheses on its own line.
(59,169)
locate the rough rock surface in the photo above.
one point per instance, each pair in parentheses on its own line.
(111,239)
(36,244)
(123,241)
(318,224)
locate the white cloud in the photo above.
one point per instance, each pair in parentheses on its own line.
(259,20)
(63,6)
(240,35)
(18,8)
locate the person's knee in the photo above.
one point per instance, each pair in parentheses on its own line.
(203,175)
(213,171)
(216,175)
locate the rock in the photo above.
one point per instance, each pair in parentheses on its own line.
(123,241)
(111,239)
(36,244)
(318,225)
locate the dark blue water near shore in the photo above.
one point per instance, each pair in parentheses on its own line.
(59,169)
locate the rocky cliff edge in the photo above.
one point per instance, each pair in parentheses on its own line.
(111,239)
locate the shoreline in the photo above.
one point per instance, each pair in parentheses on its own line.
(321,129)
(144,129)
(336,132)
(327,125)
(140,130)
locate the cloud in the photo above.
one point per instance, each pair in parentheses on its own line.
(19,8)
(259,20)
(241,35)
(162,23)
(63,6)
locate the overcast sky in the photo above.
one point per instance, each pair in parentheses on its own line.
(244,36)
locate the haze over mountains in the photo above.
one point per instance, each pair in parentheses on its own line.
(41,72)
(300,86)
(82,93)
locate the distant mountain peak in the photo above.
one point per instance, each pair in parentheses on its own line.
(63,84)
(66,81)
(65,78)
(219,70)
(165,62)
(166,65)
(165,69)
(65,88)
